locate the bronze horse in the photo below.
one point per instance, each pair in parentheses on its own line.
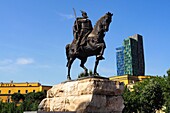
(94,45)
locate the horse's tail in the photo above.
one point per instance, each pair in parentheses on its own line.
(67,53)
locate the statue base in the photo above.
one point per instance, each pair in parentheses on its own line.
(93,76)
(85,95)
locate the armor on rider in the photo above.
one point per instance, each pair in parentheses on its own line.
(81,29)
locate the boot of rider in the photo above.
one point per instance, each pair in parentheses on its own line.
(100,57)
(76,52)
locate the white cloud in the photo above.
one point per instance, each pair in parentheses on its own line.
(67,16)
(24,61)
(14,65)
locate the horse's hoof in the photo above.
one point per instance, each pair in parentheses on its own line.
(86,74)
(96,74)
(68,78)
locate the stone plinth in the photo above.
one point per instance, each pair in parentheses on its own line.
(89,95)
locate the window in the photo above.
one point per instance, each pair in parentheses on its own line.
(19,91)
(34,91)
(26,91)
(9,91)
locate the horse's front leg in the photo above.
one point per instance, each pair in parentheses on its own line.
(70,62)
(95,67)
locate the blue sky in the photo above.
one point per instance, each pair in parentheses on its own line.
(33,35)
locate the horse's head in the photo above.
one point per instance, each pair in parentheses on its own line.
(102,25)
(107,19)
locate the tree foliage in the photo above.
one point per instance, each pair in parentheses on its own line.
(85,74)
(151,97)
(16,97)
(8,108)
(130,101)
(146,97)
(167,93)
(30,103)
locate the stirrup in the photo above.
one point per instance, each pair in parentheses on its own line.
(100,57)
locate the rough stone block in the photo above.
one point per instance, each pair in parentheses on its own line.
(88,95)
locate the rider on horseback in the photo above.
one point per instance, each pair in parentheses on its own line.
(94,44)
(81,29)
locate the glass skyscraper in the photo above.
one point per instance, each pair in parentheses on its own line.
(120,60)
(130,59)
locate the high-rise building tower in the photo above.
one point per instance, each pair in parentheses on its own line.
(132,55)
(120,60)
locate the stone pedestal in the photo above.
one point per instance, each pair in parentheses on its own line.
(88,95)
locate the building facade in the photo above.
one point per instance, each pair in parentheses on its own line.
(120,60)
(132,55)
(7,89)
(128,79)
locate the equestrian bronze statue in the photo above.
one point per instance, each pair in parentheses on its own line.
(87,41)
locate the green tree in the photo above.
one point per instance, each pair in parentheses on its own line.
(130,101)
(32,101)
(8,108)
(146,97)
(16,97)
(151,97)
(29,103)
(82,74)
(167,93)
